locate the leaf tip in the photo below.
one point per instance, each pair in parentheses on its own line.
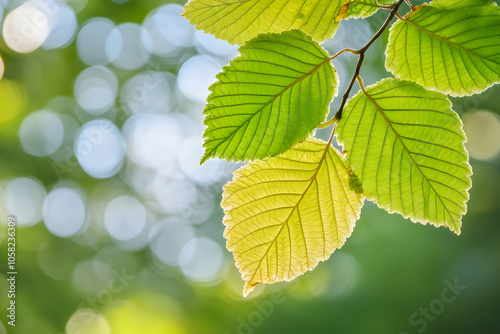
(248,287)
(210,151)
(186,8)
(205,157)
(456,229)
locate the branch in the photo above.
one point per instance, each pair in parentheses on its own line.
(361,53)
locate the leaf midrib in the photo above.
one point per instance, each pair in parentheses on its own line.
(285,223)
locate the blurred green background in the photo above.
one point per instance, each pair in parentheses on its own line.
(120,229)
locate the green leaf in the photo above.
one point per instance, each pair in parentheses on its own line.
(237,21)
(407,148)
(451,46)
(356,9)
(269,98)
(285,214)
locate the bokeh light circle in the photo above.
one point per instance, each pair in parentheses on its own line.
(146,92)
(174,195)
(41,133)
(23,198)
(91,41)
(129,46)
(64,211)
(168,237)
(482,128)
(96,89)
(64,29)
(174,27)
(26,27)
(125,217)
(86,321)
(196,75)
(100,148)
(158,30)
(189,160)
(201,259)
(152,141)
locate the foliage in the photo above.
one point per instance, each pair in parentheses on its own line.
(403,144)
(449,45)
(272,96)
(299,202)
(239,21)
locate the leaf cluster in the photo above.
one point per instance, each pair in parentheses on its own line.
(298,198)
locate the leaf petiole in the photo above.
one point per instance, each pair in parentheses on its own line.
(326,124)
(410,5)
(356,52)
(361,85)
(388,7)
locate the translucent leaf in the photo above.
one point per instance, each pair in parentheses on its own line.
(451,46)
(237,21)
(361,8)
(269,98)
(285,214)
(406,146)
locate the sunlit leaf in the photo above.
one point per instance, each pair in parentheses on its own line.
(285,214)
(451,46)
(361,8)
(407,148)
(238,21)
(269,98)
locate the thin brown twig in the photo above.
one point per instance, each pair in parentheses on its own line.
(361,52)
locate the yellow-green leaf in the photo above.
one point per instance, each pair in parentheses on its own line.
(237,21)
(451,46)
(407,148)
(285,214)
(355,9)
